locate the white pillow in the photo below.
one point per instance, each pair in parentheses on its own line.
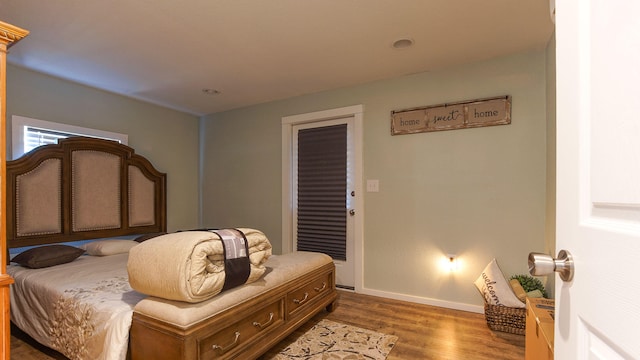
(108,247)
(495,288)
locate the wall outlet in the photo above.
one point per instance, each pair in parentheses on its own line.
(373,185)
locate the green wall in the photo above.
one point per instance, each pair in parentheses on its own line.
(477,193)
(167,138)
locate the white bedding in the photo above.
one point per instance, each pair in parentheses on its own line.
(82,309)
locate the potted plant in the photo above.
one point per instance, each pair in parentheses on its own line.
(529,283)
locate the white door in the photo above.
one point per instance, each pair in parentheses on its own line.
(348,272)
(598,178)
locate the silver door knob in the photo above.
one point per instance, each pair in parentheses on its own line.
(543,264)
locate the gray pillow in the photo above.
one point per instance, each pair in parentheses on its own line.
(46,256)
(145,237)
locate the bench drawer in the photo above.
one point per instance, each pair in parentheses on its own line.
(297,299)
(228,341)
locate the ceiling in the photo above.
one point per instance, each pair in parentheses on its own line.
(254,51)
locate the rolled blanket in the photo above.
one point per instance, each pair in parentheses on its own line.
(190,266)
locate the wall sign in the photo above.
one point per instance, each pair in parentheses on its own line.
(451,116)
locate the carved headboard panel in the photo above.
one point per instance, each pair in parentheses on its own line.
(82,188)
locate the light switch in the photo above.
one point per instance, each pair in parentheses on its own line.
(373,185)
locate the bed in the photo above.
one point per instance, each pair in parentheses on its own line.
(102,197)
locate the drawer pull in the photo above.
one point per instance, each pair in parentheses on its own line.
(299,302)
(257,324)
(324,286)
(224,349)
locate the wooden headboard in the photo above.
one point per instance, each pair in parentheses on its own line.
(82,188)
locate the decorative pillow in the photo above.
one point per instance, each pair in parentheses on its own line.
(495,288)
(108,247)
(45,256)
(144,237)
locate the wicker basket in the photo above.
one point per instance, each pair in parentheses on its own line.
(505,319)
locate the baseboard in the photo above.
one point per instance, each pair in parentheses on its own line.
(425,301)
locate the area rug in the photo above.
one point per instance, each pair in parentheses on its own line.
(331,340)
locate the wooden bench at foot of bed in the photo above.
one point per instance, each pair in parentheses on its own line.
(240,323)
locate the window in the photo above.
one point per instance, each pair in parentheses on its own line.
(28,134)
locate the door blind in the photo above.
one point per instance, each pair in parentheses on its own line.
(322,190)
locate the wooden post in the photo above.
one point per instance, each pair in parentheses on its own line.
(9,35)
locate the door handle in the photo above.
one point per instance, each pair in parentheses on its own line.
(543,264)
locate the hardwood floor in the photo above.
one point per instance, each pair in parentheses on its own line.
(424,332)
(23,347)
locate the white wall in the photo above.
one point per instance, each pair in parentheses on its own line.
(169,139)
(478,193)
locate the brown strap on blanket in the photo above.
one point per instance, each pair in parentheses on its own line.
(237,266)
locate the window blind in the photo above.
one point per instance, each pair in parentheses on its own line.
(34,137)
(322,190)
